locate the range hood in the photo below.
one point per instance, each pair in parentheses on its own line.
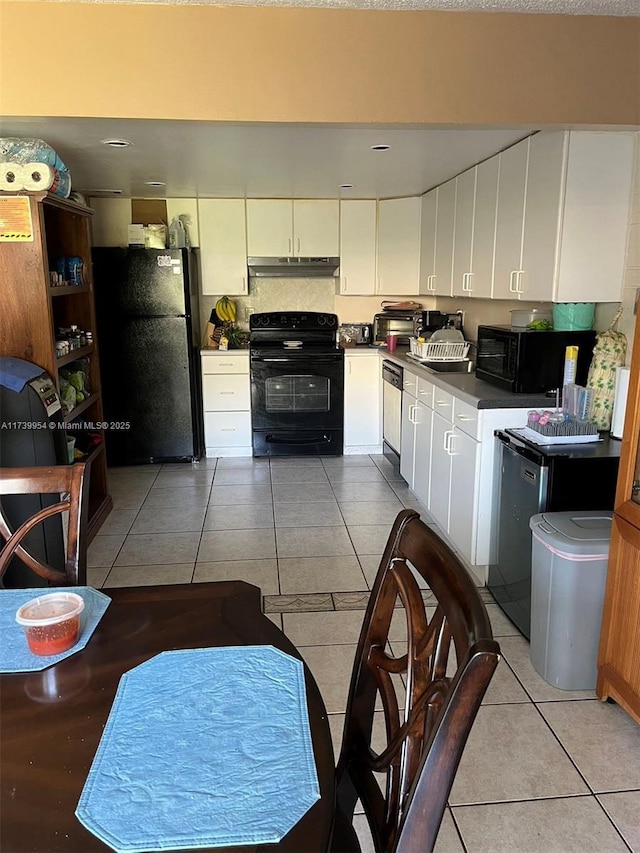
(293,267)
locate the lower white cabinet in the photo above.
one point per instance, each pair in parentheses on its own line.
(448,460)
(226,394)
(362,402)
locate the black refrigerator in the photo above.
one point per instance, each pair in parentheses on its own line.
(149,337)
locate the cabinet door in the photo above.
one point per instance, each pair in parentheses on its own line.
(223,249)
(422,452)
(408,438)
(445,226)
(464,475)
(362,401)
(269,227)
(316,230)
(484,228)
(399,246)
(542,219)
(463,234)
(512,184)
(440,473)
(358,247)
(428,242)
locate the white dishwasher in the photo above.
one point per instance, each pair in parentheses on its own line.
(392,377)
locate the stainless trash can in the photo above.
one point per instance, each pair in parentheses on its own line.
(570,551)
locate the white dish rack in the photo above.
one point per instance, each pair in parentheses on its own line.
(439,350)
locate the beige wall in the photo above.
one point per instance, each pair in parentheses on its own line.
(317,65)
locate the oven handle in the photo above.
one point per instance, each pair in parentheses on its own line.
(273,439)
(323,359)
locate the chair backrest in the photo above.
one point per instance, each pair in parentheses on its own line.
(70,483)
(447,667)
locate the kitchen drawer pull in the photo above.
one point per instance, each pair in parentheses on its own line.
(442,403)
(464,418)
(227,429)
(227,393)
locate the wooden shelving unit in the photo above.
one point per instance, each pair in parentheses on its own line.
(33,310)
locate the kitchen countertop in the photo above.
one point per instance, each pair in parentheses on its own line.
(211,351)
(474,391)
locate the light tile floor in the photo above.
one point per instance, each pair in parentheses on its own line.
(544,771)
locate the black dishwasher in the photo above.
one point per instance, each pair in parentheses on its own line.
(536,478)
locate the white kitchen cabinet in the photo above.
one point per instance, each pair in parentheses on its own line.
(562,217)
(362,402)
(399,246)
(408,429)
(227,403)
(422,444)
(475,227)
(512,186)
(463,491)
(428,219)
(358,240)
(440,467)
(223,246)
(293,227)
(445,229)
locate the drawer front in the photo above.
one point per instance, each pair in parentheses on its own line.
(226,393)
(409,382)
(425,391)
(466,417)
(443,403)
(227,429)
(231,363)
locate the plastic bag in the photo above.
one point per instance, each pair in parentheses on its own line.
(609,353)
(32,165)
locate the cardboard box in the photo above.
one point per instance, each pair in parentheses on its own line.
(149,223)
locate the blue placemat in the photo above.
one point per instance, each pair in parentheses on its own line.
(203,748)
(15,655)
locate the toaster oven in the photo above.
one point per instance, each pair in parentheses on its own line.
(400,323)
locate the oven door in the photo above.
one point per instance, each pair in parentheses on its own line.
(297,402)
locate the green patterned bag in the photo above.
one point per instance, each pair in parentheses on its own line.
(608,354)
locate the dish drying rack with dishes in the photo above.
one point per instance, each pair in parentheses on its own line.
(569,425)
(443,345)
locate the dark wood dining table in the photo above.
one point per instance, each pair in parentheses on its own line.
(51,721)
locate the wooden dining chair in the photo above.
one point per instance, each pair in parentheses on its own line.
(448,664)
(70,484)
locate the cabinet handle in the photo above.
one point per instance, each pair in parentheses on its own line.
(349,365)
(244,284)
(289,245)
(442,403)
(519,274)
(344,284)
(431,283)
(298,244)
(227,393)
(466,282)
(464,418)
(447,440)
(412,412)
(227,429)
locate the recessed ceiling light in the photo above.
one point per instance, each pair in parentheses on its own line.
(345,187)
(117,143)
(380,147)
(155,183)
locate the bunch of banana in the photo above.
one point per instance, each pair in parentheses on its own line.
(226,310)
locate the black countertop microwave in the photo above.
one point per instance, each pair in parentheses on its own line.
(526,361)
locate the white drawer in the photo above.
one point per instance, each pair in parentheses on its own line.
(425,391)
(466,417)
(227,429)
(226,363)
(226,393)
(443,403)
(409,382)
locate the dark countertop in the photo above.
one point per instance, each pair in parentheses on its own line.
(605,448)
(474,391)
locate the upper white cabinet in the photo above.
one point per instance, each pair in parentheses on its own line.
(512,186)
(475,228)
(399,246)
(358,222)
(292,227)
(563,211)
(428,217)
(223,246)
(445,228)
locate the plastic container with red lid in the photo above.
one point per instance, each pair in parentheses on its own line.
(51,622)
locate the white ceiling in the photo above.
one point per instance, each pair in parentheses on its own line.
(208,159)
